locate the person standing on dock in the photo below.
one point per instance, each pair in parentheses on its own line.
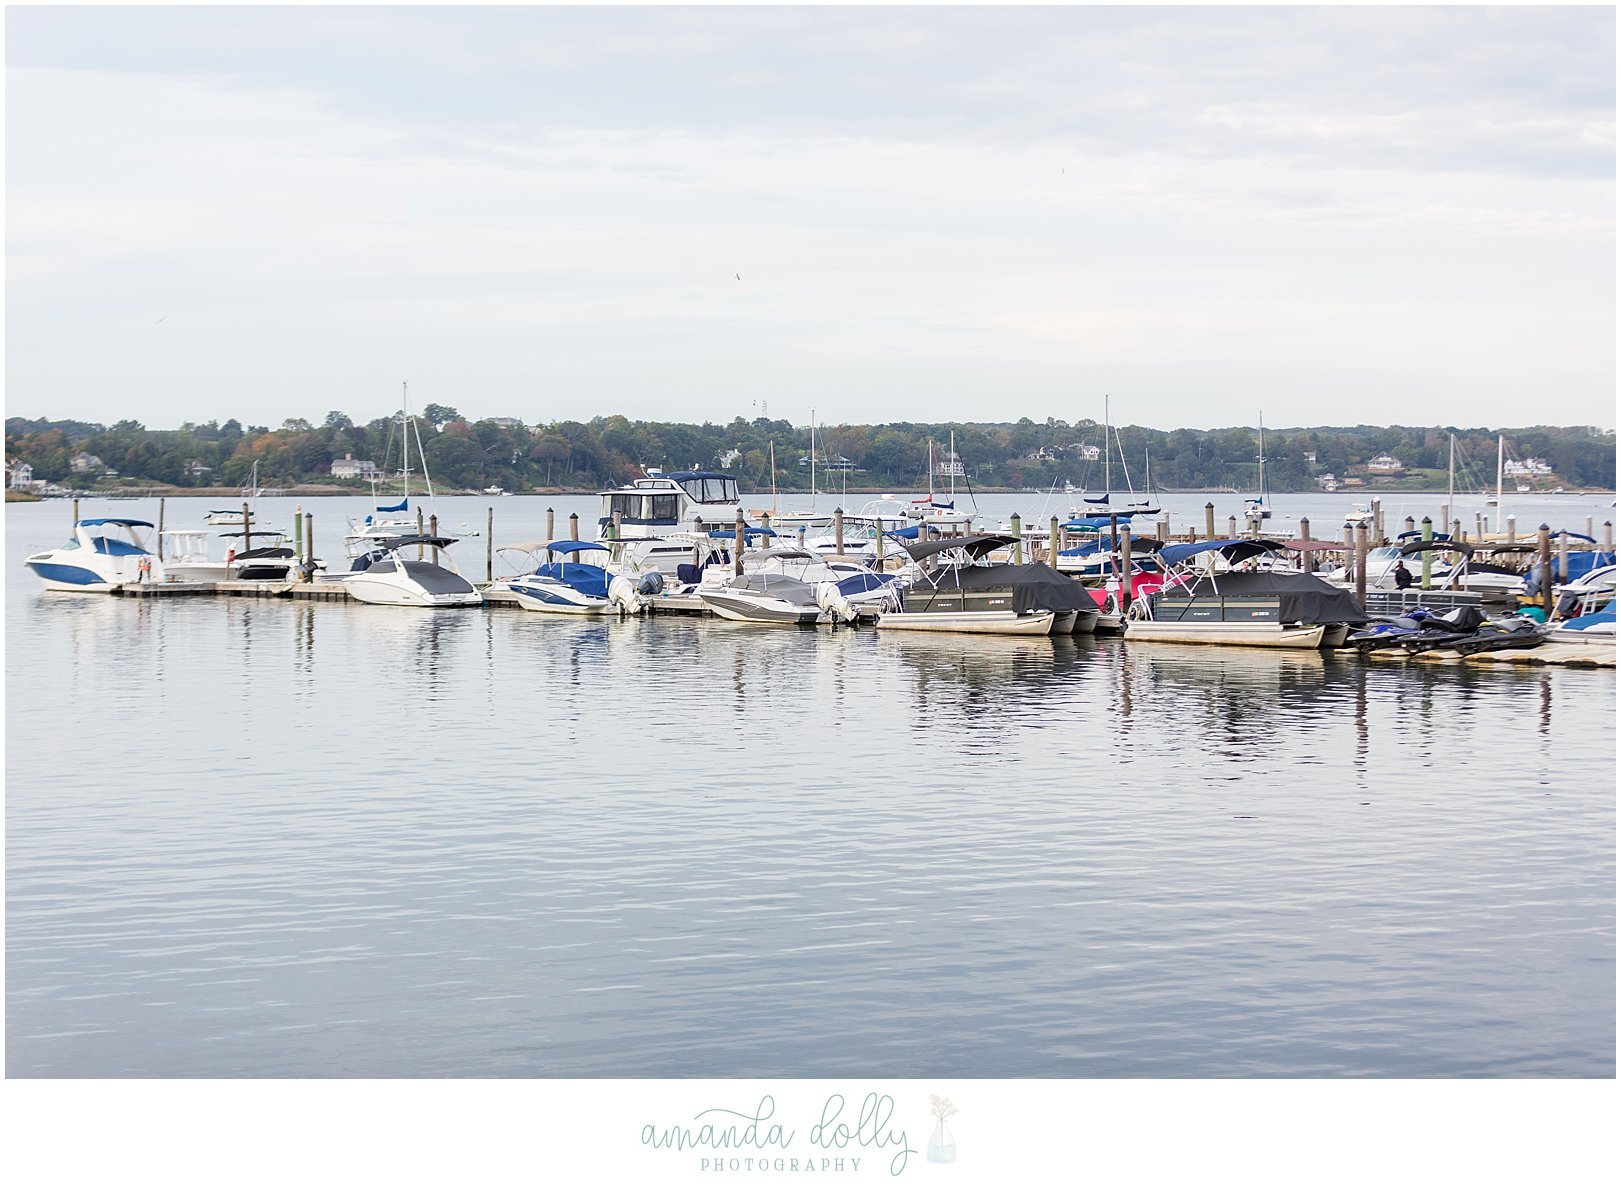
(1404,576)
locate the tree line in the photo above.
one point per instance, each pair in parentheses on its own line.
(606,451)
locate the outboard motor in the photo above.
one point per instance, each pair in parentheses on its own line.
(650,583)
(623,596)
(834,603)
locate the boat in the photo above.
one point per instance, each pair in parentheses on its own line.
(956,590)
(1360,516)
(654,517)
(1246,604)
(272,562)
(496,491)
(575,587)
(394,578)
(226,515)
(1419,627)
(187,558)
(101,555)
(1106,505)
(1259,507)
(394,519)
(1596,628)
(774,598)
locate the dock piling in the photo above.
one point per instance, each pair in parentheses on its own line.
(1547,571)
(1427,533)
(838,531)
(1362,563)
(551,525)
(1015,527)
(489,544)
(737,551)
(573,526)
(1210,521)
(1052,542)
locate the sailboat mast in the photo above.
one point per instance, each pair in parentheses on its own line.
(405,440)
(1499,483)
(1260,457)
(1452,464)
(953,458)
(773,479)
(813,459)
(1106,490)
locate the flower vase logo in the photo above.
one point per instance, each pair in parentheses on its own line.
(942,1146)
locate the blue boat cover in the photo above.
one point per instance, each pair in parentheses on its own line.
(591,580)
(575,546)
(402,505)
(1235,550)
(117,523)
(731,533)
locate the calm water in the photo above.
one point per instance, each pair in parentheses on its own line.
(252,838)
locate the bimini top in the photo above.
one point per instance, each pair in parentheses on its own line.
(974,546)
(433,542)
(115,522)
(785,553)
(1234,550)
(731,533)
(573,546)
(679,475)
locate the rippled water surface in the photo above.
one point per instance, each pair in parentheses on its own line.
(252,838)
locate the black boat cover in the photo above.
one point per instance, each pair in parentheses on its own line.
(1036,587)
(1302,598)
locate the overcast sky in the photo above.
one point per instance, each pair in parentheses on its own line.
(1332,216)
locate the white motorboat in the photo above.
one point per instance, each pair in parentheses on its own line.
(573,587)
(775,598)
(225,515)
(655,516)
(400,575)
(103,554)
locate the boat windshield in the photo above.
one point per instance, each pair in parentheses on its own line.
(710,489)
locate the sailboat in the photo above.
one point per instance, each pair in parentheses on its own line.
(1258,508)
(394,519)
(811,521)
(1103,506)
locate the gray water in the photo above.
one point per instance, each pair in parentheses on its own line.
(252,838)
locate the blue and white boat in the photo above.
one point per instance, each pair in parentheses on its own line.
(574,587)
(103,554)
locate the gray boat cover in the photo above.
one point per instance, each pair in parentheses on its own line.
(1302,598)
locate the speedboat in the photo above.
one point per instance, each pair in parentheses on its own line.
(226,515)
(775,598)
(864,589)
(574,587)
(186,557)
(1595,628)
(1246,604)
(103,554)
(956,591)
(392,578)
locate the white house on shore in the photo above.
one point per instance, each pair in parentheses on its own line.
(351,467)
(1385,464)
(20,476)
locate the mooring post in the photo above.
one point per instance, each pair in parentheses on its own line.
(1457,529)
(247,541)
(1125,564)
(1018,540)
(433,530)
(878,543)
(1350,548)
(489,544)
(1408,525)
(1306,555)
(737,552)
(1376,506)
(1564,555)
(1480,521)
(1547,572)
(75,513)
(838,531)
(1589,532)
(1232,527)
(1511,530)
(573,526)
(619,525)
(309,547)
(419,533)
(162,501)
(1052,542)
(551,531)
(1609,537)
(298,533)
(1426,533)
(1210,521)
(1362,563)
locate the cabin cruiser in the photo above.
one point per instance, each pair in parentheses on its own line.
(561,585)
(103,554)
(956,590)
(647,513)
(392,577)
(1245,604)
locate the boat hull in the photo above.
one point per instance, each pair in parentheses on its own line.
(556,599)
(746,610)
(69,579)
(1254,635)
(999,622)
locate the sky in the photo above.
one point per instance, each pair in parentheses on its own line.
(1320,216)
